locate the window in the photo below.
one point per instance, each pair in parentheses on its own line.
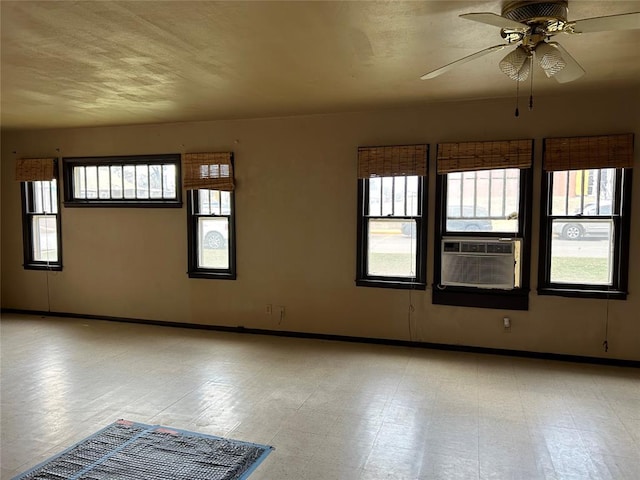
(483,221)
(211,215)
(136,181)
(483,201)
(584,244)
(391,211)
(40,216)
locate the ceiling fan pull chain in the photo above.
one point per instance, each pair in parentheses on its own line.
(517,96)
(531,84)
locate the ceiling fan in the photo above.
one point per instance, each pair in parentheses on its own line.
(530,25)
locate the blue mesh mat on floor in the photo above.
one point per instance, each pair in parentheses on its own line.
(133,451)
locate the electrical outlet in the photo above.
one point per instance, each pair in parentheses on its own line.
(506,323)
(269,309)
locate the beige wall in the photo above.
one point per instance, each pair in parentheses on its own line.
(296,229)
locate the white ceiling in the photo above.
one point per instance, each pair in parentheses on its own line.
(91,63)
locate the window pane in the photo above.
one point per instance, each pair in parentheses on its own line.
(412,196)
(387,196)
(104,182)
(559,197)
(169,179)
(399,196)
(204,205)
(38,198)
(129,181)
(214,202)
(45,238)
(483,197)
(79,189)
(91,174)
(45,190)
(375,196)
(454,192)
(54,195)
(583,192)
(483,201)
(116,181)
(213,243)
(496,198)
(155,181)
(512,201)
(586,262)
(468,194)
(393,196)
(142,181)
(392,248)
(607,190)
(225,203)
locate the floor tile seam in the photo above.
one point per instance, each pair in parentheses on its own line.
(189,392)
(178,400)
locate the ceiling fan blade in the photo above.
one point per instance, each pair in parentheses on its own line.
(625,21)
(496,21)
(572,70)
(460,61)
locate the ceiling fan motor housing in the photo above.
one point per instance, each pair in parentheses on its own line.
(550,16)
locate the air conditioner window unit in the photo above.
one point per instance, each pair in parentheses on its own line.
(481,262)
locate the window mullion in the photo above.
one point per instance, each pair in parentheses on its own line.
(43,207)
(110,182)
(475,194)
(584,189)
(504,194)
(84,177)
(619,194)
(598,179)
(462,192)
(53,205)
(490,192)
(566,191)
(393,196)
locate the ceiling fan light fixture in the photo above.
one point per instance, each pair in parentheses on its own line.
(515,65)
(550,59)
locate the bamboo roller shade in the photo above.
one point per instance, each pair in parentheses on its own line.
(35,169)
(583,153)
(208,171)
(465,156)
(392,161)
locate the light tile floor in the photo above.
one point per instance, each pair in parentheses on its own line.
(333,410)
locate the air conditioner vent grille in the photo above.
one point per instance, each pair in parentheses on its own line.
(481,263)
(478,270)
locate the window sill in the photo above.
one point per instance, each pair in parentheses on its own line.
(481,298)
(40,266)
(212,275)
(391,284)
(583,293)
